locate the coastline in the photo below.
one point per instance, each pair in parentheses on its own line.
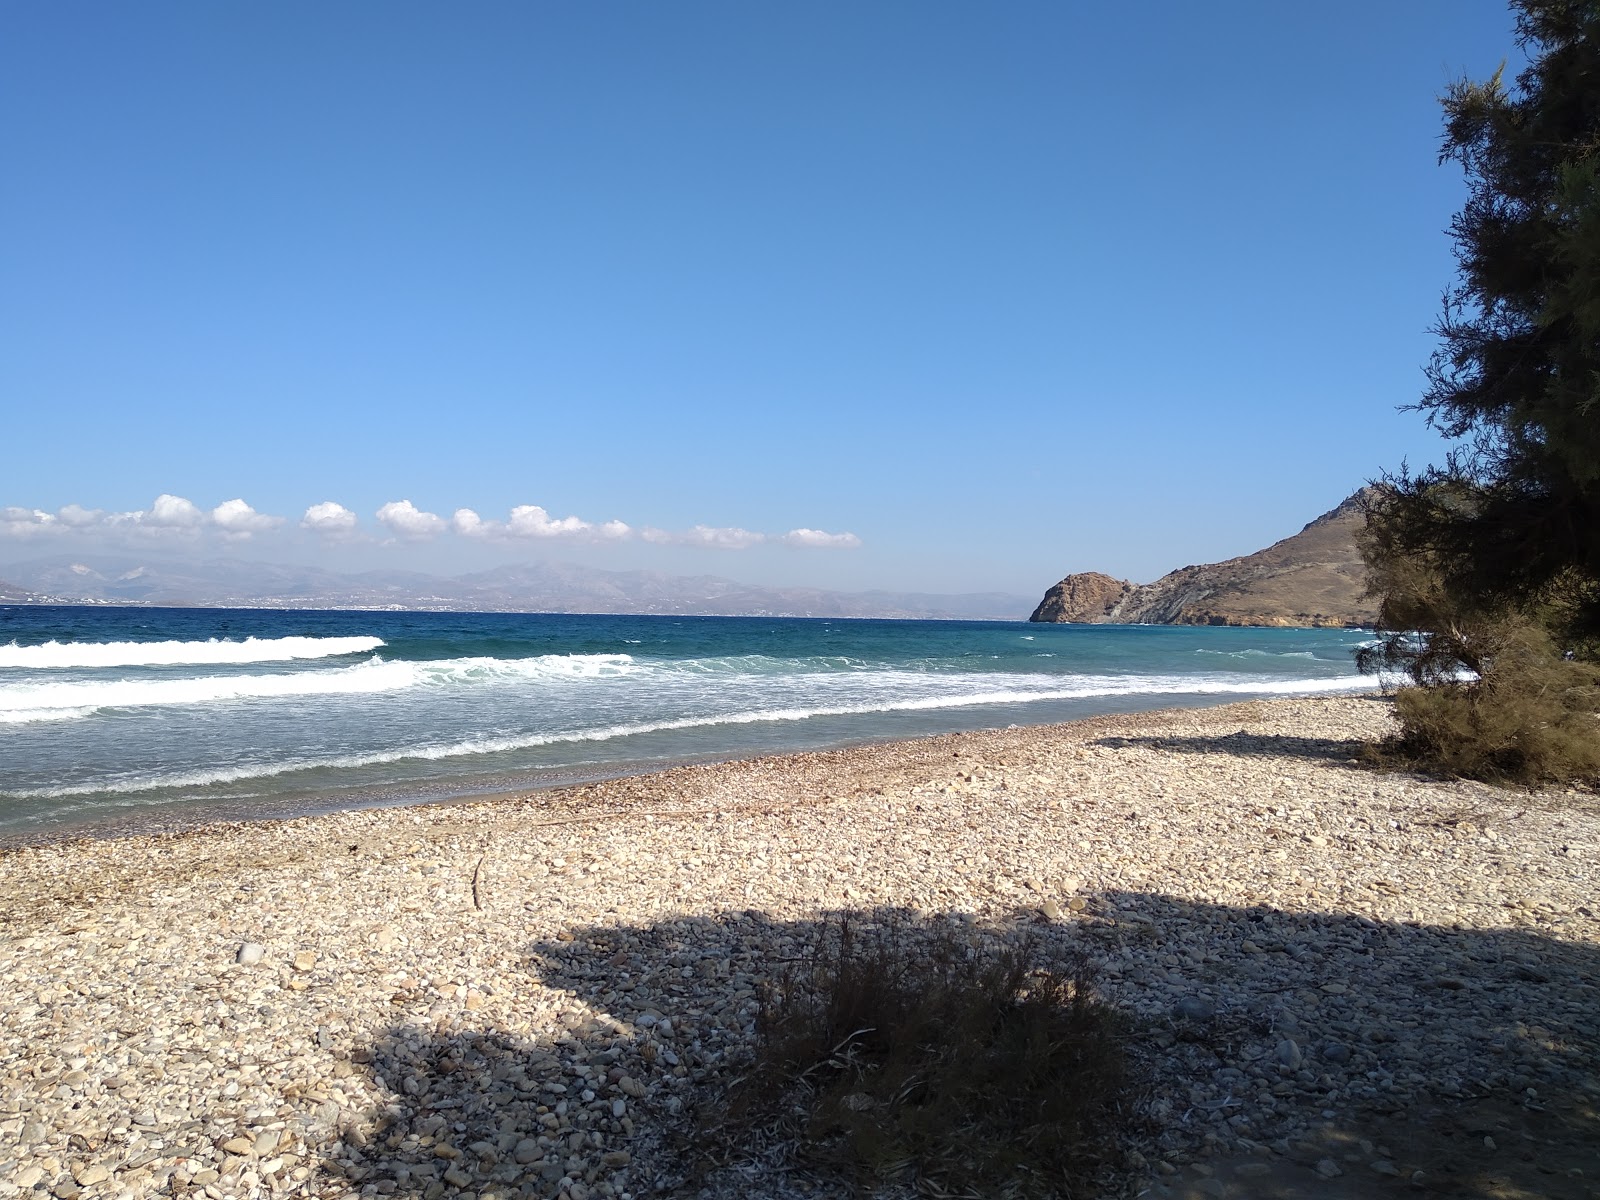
(173,817)
(1353,949)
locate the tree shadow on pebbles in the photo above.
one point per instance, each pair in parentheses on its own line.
(1284,1055)
(1247,745)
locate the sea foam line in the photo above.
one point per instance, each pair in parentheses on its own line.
(374,675)
(1109,687)
(91,655)
(25,702)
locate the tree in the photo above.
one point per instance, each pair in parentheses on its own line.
(1517,373)
(1507,534)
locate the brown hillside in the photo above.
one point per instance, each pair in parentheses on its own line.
(1315,577)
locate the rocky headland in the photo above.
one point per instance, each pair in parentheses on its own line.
(1314,578)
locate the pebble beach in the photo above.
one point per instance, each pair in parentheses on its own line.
(1344,982)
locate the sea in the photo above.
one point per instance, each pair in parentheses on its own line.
(121,719)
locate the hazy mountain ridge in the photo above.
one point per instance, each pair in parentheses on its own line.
(1313,578)
(10,593)
(526,587)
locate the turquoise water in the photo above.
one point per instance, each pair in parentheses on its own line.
(118,715)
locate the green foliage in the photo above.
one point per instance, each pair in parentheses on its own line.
(1495,698)
(1490,565)
(1517,373)
(1531,717)
(900,1053)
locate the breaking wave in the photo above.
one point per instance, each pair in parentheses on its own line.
(25,702)
(93,655)
(1087,687)
(1253,653)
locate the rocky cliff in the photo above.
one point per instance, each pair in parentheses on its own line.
(1315,577)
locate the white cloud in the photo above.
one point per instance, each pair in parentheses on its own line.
(170,515)
(238,520)
(405,520)
(817,539)
(531,521)
(329,519)
(706,536)
(78,517)
(167,516)
(173,512)
(468,523)
(25,522)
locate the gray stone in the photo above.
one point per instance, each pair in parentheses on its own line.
(250,953)
(1335,1052)
(1328,1169)
(619,1108)
(1384,1167)
(1194,1008)
(1288,1054)
(92,1174)
(527,1151)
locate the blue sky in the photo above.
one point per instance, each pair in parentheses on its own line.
(970,296)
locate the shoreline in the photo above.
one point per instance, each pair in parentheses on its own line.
(176,817)
(207,818)
(1326,965)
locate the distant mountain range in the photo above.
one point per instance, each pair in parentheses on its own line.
(1315,577)
(529,587)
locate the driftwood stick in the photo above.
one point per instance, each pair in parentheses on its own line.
(477,872)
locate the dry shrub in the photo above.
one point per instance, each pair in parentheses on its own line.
(925,1056)
(1528,719)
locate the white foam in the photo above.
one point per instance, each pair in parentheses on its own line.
(543,667)
(28,716)
(1087,687)
(765,664)
(372,676)
(1253,653)
(91,655)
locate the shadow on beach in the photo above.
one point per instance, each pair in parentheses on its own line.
(1248,745)
(1244,744)
(1285,1055)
